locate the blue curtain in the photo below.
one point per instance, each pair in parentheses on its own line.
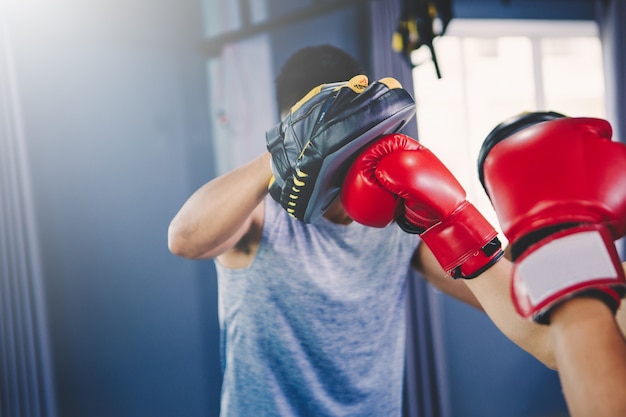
(610,16)
(26,388)
(425,385)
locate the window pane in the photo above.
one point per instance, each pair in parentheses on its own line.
(573,76)
(492,72)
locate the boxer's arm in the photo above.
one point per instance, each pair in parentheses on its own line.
(426,264)
(493,290)
(491,293)
(221,212)
(590,353)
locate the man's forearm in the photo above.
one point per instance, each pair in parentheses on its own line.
(591,356)
(493,289)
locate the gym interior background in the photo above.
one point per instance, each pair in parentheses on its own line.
(112,113)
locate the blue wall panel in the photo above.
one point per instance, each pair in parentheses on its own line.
(114,106)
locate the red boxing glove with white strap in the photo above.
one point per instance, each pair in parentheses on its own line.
(558,186)
(396,178)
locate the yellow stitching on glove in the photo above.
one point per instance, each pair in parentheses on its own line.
(303,149)
(272,180)
(357,83)
(297,182)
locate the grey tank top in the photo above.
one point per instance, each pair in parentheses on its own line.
(315,326)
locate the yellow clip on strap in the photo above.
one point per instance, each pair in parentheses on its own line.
(358,84)
(390,82)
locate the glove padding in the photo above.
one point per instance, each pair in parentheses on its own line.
(314,145)
(396,178)
(558,186)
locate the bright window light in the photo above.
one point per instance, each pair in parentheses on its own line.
(492,70)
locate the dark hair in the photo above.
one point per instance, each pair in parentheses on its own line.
(311,66)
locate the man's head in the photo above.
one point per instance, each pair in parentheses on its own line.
(313,144)
(311,66)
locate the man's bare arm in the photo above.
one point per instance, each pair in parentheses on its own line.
(491,293)
(426,264)
(221,212)
(590,353)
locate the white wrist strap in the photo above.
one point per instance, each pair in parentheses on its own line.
(564,263)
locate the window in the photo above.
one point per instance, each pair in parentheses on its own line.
(494,69)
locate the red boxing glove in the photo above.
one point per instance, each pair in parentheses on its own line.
(396,178)
(558,186)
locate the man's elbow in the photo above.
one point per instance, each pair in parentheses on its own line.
(178,244)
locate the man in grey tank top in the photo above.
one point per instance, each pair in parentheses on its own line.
(312,314)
